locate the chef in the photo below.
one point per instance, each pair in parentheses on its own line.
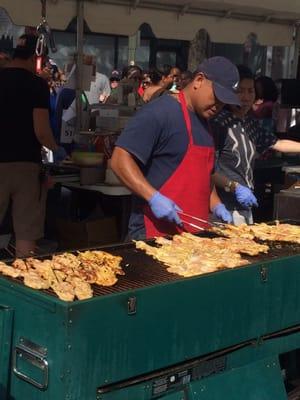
(165,155)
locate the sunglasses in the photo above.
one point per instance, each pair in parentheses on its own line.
(146,83)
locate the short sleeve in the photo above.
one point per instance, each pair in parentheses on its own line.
(262,138)
(41,98)
(141,134)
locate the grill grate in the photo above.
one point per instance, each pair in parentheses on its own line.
(142,271)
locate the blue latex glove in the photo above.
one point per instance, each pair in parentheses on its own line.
(59,154)
(221,212)
(245,196)
(164,208)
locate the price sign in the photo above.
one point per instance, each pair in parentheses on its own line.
(67,132)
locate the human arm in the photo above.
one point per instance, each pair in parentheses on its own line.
(286,146)
(42,128)
(127,169)
(243,194)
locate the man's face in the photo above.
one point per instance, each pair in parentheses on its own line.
(176,74)
(203,98)
(246,94)
(167,81)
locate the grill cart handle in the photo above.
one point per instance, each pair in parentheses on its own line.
(6,329)
(28,354)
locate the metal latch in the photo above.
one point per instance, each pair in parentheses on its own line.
(264,274)
(131,305)
(35,355)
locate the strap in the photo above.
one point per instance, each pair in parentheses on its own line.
(186,116)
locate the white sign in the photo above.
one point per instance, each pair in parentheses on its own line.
(67,132)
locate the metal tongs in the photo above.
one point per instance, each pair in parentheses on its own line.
(215,224)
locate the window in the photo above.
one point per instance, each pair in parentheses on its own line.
(165,57)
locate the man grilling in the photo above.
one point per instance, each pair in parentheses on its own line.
(166,154)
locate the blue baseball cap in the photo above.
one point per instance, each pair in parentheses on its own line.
(224,76)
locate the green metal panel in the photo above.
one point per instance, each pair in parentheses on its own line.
(44,322)
(282,298)
(6,326)
(174,322)
(95,342)
(257,381)
(140,392)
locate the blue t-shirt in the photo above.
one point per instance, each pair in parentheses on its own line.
(158,139)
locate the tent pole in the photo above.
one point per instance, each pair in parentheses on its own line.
(297,51)
(79,62)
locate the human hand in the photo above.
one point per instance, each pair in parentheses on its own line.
(245,196)
(164,208)
(59,154)
(221,212)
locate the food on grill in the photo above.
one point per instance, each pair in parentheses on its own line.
(64,290)
(9,271)
(188,255)
(67,274)
(106,277)
(20,265)
(192,260)
(101,258)
(81,288)
(242,231)
(33,280)
(278,232)
(243,246)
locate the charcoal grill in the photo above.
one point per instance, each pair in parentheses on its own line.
(155,335)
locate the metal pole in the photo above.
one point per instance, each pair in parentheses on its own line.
(79,63)
(296,51)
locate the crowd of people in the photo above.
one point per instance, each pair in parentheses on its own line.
(188,150)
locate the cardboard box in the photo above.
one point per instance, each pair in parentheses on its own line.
(81,234)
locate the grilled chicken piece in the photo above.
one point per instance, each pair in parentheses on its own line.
(33,280)
(9,271)
(64,290)
(106,277)
(66,260)
(20,264)
(100,259)
(44,269)
(82,289)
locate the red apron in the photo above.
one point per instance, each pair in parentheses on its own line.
(189,186)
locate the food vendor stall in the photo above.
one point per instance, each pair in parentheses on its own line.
(151,333)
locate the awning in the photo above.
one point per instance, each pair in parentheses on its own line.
(226,22)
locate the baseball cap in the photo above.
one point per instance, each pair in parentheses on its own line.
(26,45)
(115,76)
(224,76)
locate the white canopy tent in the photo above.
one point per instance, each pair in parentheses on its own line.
(275,22)
(226,21)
